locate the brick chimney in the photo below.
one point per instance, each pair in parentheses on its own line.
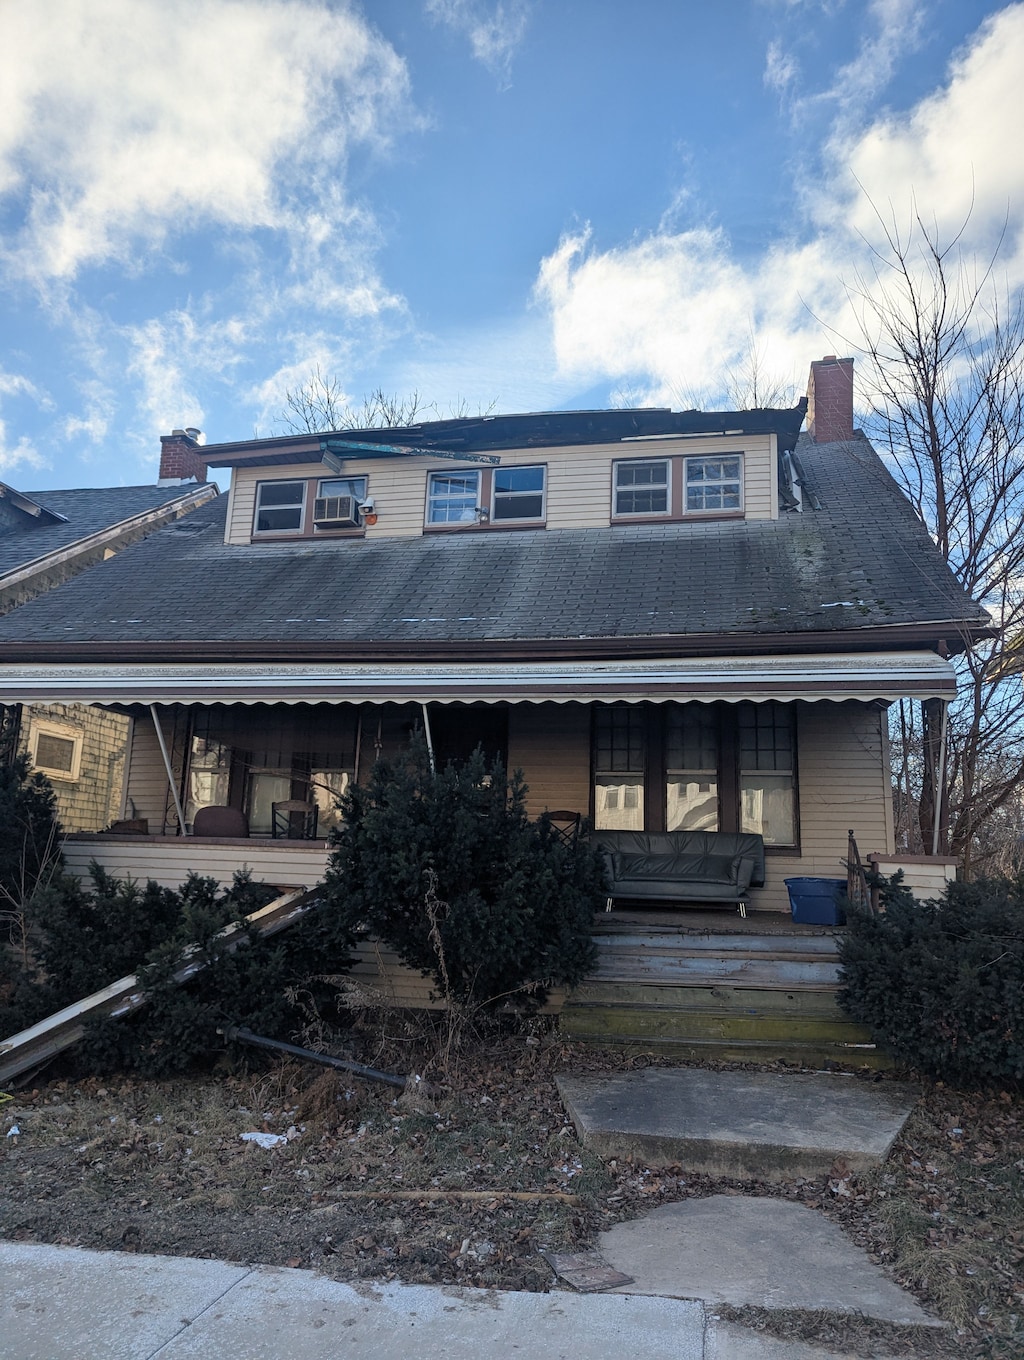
(181,456)
(830,400)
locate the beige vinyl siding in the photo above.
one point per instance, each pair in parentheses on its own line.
(579,482)
(147,790)
(550,743)
(843,783)
(168,860)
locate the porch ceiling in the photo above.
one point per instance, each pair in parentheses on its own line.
(884,676)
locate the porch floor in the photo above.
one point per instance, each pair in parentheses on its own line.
(687,921)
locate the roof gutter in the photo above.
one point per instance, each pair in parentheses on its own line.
(954,635)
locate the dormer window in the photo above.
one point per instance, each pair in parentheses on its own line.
(518,493)
(280,507)
(453,497)
(677,487)
(714,483)
(337,503)
(642,488)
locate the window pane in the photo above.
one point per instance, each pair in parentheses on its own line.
(264,791)
(765,736)
(518,493)
(641,488)
(452,497)
(619,803)
(691,804)
(279,506)
(343,486)
(619,739)
(768,807)
(55,753)
(714,483)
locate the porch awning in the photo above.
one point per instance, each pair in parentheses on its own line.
(884,676)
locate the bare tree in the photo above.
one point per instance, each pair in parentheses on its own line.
(321,404)
(945,349)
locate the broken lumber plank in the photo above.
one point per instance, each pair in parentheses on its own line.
(46,1039)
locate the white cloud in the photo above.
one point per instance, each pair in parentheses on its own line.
(780,68)
(677,309)
(494,30)
(126,122)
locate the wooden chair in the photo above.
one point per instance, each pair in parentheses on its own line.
(566,825)
(217,820)
(293,819)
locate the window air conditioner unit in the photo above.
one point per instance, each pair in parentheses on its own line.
(335,512)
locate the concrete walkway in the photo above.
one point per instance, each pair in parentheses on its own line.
(756,1125)
(59,1303)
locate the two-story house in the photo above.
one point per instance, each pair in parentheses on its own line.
(666,619)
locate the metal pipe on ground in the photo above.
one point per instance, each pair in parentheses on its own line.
(246,1036)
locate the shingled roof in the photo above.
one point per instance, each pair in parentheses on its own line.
(859,563)
(83,512)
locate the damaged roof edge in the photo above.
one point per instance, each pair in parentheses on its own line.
(543,429)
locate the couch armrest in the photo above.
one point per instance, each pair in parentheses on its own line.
(743,869)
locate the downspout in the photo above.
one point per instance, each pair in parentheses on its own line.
(430,740)
(170,772)
(940,779)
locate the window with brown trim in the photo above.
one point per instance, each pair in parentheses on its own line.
(677,486)
(500,496)
(308,506)
(696,767)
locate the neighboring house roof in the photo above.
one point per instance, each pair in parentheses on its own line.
(859,568)
(48,536)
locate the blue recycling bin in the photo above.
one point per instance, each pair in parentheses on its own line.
(815,901)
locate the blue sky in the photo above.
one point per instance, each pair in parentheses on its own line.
(524,204)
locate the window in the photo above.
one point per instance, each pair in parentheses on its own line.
(642,488)
(279,507)
(691,768)
(766,764)
(56,751)
(671,488)
(518,493)
(337,503)
(498,495)
(714,483)
(453,497)
(619,768)
(696,767)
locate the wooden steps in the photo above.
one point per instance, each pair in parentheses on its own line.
(739,994)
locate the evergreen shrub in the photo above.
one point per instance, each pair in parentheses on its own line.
(446,868)
(941,983)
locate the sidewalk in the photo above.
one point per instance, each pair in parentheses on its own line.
(64,1303)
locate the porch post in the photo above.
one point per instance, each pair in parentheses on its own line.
(430,740)
(940,780)
(170,772)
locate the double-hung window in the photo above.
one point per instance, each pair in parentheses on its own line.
(499,495)
(280,507)
(518,493)
(697,767)
(453,497)
(766,771)
(677,486)
(714,483)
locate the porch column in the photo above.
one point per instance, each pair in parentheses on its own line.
(170,771)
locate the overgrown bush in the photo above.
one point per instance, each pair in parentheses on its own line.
(446,869)
(941,983)
(29,859)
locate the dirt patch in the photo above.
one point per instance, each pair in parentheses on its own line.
(364,1185)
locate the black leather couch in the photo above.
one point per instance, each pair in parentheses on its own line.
(713,867)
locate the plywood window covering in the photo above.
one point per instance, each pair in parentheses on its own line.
(697,767)
(677,487)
